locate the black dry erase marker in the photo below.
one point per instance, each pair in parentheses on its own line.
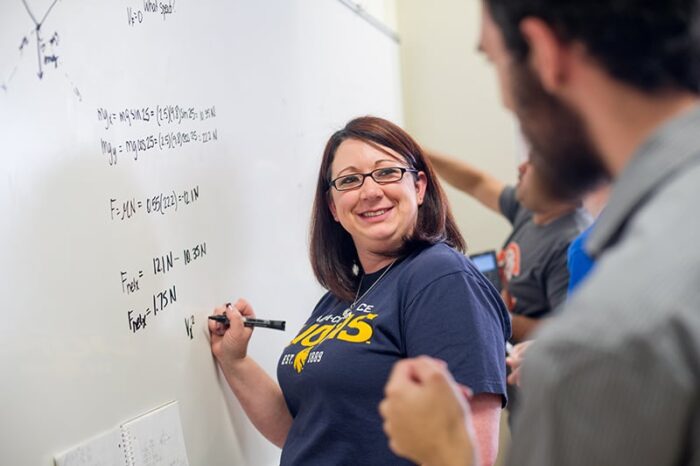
(274,324)
(264,323)
(222,319)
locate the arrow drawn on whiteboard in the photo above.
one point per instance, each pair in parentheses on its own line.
(46,52)
(39,42)
(12,74)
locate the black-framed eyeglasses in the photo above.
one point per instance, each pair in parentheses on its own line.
(384,175)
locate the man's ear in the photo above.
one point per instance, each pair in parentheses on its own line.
(548,54)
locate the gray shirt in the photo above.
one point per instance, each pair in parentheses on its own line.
(616,379)
(534,256)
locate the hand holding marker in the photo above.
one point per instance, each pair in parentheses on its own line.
(248,322)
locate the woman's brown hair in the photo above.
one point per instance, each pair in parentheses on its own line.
(333,255)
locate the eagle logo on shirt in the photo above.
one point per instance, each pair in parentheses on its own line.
(348,327)
(509,259)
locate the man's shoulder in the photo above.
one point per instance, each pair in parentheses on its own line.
(511,208)
(551,239)
(571,225)
(671,204)
(662,230)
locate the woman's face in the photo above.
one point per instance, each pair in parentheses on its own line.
(377,216)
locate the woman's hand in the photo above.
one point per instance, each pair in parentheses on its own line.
(229,344)
(260,396)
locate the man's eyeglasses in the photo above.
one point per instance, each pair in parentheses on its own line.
(383,175)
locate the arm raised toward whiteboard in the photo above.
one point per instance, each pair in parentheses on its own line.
(260,396)
(479,184)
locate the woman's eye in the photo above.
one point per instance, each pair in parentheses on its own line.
(348,180)
(387,172)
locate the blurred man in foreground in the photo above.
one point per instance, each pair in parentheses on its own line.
(601,89)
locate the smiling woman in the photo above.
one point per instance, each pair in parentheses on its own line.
(384,244)
(378,214)
(376,143)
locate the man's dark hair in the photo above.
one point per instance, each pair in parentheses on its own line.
(333,255)
(653,45)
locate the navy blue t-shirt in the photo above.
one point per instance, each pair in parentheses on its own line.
(333,373)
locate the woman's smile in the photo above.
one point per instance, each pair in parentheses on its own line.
(376,215)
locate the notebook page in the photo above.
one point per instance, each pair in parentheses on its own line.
(101,450)
(155,438)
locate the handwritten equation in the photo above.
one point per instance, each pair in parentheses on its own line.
(160,203)
(131,131)
(159,116)
(160,300)
(136,16)
(160,141)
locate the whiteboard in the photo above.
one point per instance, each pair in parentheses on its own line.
(158,160)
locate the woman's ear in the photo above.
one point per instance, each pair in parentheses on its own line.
(421,187)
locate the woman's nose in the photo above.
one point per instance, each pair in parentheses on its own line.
(370,189)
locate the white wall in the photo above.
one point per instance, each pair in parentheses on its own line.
(452,103)
(382,10)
